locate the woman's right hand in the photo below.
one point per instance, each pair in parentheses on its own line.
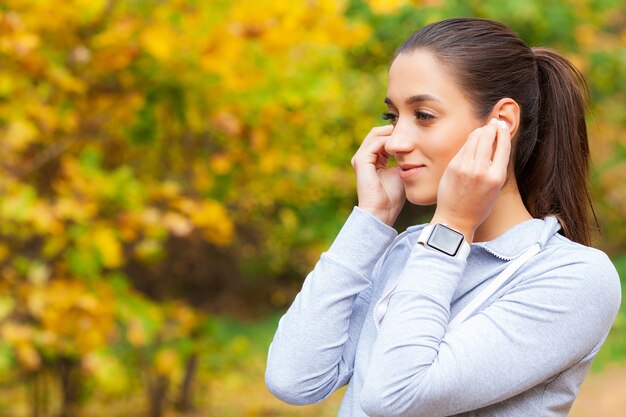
(379,188)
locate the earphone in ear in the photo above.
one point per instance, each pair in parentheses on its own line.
(500,123)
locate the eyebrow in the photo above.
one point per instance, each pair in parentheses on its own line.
(415,99)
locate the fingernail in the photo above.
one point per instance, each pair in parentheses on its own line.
(493,121)
(503,124)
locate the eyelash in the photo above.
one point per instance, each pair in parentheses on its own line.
(422,116)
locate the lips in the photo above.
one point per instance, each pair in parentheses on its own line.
(410,170)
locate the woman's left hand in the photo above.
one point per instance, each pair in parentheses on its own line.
(473,179)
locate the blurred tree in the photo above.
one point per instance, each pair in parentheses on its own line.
(128,125)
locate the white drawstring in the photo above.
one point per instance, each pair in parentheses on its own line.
(494,285)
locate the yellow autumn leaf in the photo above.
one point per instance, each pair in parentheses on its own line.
(67,81)
(586,35)
(166,362)
(117,35)
(108,372)
(72,318)
(136,334)
(203,179)
(54,245)
(39,273)
(270,161)
(7,85)
(151,216)
(22,43)
(228,123)
(106,242)
(88,302)
(149,249)
(176,224)
(212,217)
(28,356)
(67,208)
(7,303)
(159,41)
(185,317)
(19,134)
(167,189)
(386,6)
(221,164)
(89,337)
(44,220)
(89,9)
(16,333)
(37,303)
(288,218)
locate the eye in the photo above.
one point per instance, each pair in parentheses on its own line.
(390,116)
(423,116)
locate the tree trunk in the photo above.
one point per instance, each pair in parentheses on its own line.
(184,402)
(36,397)
(70,381)
(157,392)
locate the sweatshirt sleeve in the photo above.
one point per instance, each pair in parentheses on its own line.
(544,325)
(312,353)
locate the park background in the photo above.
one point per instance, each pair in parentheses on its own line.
(170,171)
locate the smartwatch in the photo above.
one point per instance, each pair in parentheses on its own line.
(444,239)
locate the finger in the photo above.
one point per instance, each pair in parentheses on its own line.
(502,153)
(484,148)
(378,131)
(373,152)
(377,145)
(468,150)
(372,137)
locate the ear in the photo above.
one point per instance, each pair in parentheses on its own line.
(508,110)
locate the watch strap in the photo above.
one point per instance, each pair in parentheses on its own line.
(464,248)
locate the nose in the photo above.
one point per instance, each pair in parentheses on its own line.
(401,140)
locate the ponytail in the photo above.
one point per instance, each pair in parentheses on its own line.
(552,170)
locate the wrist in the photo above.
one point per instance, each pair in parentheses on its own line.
(383,215)
(461,227)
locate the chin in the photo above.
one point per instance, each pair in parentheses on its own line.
(421,198)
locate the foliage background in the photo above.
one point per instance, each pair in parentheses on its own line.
(167,164)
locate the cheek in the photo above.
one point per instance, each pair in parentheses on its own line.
(445,150)
(450,144)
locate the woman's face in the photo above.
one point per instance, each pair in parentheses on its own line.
(432,119)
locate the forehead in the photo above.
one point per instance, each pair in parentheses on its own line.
(420,73)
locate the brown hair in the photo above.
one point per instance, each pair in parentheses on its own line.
(551,154)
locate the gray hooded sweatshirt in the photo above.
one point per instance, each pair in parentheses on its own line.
(374,314)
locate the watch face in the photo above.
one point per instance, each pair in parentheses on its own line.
(445,240)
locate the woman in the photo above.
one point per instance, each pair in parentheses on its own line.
(492,132)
